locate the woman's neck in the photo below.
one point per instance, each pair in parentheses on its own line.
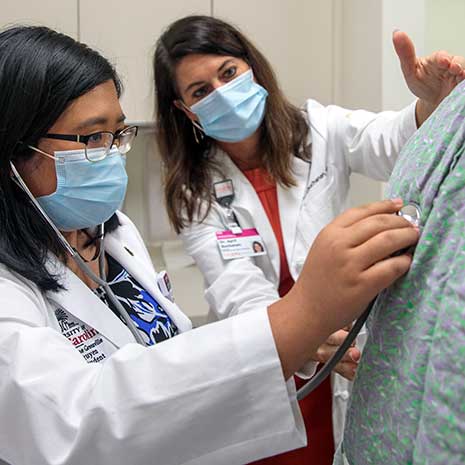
(79,240)
(246,153)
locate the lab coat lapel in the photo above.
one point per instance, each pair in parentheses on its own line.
(81,302)
(250,212)
(289,201)
(145,275)
(319,139)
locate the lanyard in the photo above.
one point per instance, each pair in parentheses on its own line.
(224,195)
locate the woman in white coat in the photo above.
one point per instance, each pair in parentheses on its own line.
(244,165)
(112,375)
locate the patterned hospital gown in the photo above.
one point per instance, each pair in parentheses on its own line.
(408,402)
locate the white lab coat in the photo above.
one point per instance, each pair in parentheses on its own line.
(199,398)
(342,141)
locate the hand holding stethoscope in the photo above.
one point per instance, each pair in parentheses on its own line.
(412,213)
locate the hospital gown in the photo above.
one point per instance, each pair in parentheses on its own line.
(408,402)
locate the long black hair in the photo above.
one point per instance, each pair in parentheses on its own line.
(41,73)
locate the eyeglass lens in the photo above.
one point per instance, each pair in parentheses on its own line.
(100,143)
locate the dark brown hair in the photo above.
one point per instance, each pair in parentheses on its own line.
(188,168)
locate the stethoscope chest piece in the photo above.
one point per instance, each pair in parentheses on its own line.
(412,213)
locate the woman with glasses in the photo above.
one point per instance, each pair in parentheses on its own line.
(97,364)
(223,121)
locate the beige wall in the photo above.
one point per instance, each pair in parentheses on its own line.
(369,76)
(337,51)
(58,14)
(295,36)
(445,26)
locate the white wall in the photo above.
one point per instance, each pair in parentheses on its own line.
(57,14)
(358,84)
(444,23)
(125,32)
(369,76)
(408,16)
(295,36)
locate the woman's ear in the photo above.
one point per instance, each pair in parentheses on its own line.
(180,105)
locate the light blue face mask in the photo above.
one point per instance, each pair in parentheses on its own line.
(88,193)
(234,111)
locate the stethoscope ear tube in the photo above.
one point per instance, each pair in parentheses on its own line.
(329,366)
(110,294)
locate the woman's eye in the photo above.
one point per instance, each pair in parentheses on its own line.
(199,93)
(230,72)
(96,137)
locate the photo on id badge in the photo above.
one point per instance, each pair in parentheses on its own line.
(247,243)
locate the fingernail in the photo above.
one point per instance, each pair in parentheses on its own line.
(397,202)
(396,29)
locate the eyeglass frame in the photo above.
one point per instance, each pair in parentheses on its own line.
(85,139)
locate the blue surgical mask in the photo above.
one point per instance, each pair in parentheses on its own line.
(88,193)
(234,111)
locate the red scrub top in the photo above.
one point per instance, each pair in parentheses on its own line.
(316,408)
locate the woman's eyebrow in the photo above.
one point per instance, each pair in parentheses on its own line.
(193,84)
(92,122)
(97,120)
(198,83)
(229,60)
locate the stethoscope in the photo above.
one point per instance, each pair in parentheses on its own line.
(80,262)
(412,213)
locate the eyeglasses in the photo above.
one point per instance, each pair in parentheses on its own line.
(98,144)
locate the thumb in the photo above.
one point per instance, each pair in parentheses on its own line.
(405,51)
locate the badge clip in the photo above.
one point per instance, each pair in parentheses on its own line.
(164,284)
(224,195)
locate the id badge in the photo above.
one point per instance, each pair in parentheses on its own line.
(164,284)
(247,243)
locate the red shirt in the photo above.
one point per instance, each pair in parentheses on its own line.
(316,408)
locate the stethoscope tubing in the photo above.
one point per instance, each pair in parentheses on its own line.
(329,366)
(110,294)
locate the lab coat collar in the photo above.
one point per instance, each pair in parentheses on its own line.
(318,131)
(81,302)
(146,276)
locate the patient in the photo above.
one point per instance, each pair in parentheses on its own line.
(408,403)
